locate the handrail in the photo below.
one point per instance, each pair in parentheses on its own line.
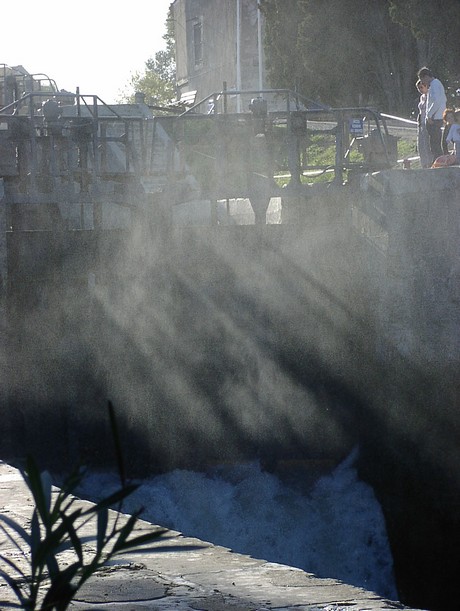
(409,121)
(17,82)
(14,104)
(378,152)
(233,92)
(56,95)
(81,96)
(29,96)
(341,157)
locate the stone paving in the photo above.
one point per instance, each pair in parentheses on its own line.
(199,577)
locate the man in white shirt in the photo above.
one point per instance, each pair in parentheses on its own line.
(435,106)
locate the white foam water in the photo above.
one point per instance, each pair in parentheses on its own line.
(334,530)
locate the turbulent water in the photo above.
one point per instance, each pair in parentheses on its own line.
(336,529)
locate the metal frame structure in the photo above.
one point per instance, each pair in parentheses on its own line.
(73,153)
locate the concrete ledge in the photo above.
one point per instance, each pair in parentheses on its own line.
(207,578)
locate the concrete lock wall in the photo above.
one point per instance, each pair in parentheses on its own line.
(418,229)
(415,276)
(225,343)
(356,296)
(403,360)
(409,221)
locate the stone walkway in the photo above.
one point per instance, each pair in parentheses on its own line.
(201,577)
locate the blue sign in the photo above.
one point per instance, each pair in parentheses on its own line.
(357,126)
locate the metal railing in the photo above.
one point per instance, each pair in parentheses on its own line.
(360,136)
(84,122)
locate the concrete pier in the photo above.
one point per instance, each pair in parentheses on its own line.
(204,577)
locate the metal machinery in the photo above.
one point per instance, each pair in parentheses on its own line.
(70,159)
(267,151)
(70,162)
(63,157)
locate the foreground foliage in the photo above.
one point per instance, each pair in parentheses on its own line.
(41,578)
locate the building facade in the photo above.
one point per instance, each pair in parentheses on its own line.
(219,45)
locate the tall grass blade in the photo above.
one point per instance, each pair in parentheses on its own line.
(34,481)
(102,522)
(117,443)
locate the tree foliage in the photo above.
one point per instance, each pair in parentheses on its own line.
(437,25)
(157,81)
(435,28)
(356,52)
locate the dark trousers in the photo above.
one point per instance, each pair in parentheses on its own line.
(434,130)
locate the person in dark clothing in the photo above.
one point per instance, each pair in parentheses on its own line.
(448,118)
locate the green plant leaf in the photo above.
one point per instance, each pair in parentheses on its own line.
(39,489)
(61,590)
(52,565)
(12,540)
(35,531)
(113,499)
(55,528)
(117,442)
(68,544)
(68,488)
(75,540)
(124,533)
(138,541)
(51,543)
(35,540)
(89,570)
(47,487)
(14,586)
(165,548)
(102,521)
(17,528)
(74,480)
(13,565)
